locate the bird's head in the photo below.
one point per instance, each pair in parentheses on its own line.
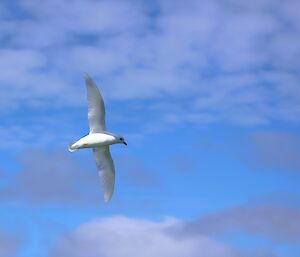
(121,140)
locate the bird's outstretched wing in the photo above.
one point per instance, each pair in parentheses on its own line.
(106,170)
(96,108)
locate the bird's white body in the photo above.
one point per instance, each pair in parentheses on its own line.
(99,139)
(94,140)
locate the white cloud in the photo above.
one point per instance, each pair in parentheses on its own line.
(121,236)
(26,82)
(20,62)
(221,55)
(87,16)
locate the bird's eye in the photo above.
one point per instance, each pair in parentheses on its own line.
(121,138)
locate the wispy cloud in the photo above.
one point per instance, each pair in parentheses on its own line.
(226,57)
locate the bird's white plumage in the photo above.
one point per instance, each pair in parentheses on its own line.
(106,170)
(99,139)
(96,108)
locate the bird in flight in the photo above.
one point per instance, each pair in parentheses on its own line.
(99,139)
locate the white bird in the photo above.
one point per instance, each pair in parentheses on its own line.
(99,139)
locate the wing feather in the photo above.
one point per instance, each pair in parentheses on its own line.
(106,170)
(96,108)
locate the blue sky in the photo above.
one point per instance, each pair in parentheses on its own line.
(205,92)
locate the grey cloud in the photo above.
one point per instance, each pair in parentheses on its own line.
(52,177)
(182,163)
(9,246)
(135,173)
(56,177)
(277,150)
(279,224)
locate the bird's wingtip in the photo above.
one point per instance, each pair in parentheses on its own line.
(71,149)
(86,76)
(107,198)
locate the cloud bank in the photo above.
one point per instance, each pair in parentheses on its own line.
(235,62)
(121,236)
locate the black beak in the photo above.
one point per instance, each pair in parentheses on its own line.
(124,143)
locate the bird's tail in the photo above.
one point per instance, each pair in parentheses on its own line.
(71,148)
